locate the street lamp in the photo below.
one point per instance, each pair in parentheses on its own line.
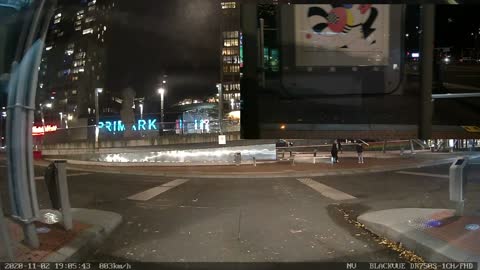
(161,92)
(97,115)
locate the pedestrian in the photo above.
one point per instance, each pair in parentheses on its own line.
(340,147)
(334,152)
(360,152)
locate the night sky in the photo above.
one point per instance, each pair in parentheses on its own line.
(180,38)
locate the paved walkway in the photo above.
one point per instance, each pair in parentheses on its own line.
(435,234)
(90,228)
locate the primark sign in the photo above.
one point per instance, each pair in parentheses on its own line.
(119,126)
(151,125)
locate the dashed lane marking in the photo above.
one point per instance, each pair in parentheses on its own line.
(153,192)
(326,191)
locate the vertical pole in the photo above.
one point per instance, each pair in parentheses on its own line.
(249,81)
(97,119)
(261,49)
(412,149)
(6,254)
(61,166)
(220,107)
(162,116)
(426,71)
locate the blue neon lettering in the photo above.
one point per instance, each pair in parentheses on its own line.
(141,124)
(108,125)
(101,125)
(121,126)
(134,128)
(114,126)
(151,124)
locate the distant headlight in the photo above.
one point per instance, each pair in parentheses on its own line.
(446,60)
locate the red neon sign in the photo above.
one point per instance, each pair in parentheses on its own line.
(39,131)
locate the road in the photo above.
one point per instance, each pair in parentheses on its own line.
(251,220)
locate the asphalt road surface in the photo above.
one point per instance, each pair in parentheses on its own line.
(251,220)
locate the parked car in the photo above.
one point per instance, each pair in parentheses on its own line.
(283,143)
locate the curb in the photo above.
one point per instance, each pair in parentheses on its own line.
(428,247)
(103,224)
(259,175)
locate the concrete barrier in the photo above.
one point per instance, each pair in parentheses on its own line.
(113,146)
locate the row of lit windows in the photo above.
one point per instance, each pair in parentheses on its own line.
(80,55)
(231,68)
(235,96)
(87,31)
(231,87)
(79,63)
(231,59)
(227,5)
(230,51)
(230,34)
(78,70)
(230,42)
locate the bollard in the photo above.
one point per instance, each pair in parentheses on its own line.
(458,184)
(237,158)
(293,160)
(56,182)
(254,162)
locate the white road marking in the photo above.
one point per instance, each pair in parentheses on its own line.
(68,175)
(424,174)
(326,191)
(153,192)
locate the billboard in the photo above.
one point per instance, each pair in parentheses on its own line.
(342,35)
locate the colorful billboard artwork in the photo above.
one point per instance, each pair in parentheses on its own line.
(342,35)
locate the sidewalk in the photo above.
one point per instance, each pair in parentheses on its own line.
(435,234)
(281,169)
(91,228)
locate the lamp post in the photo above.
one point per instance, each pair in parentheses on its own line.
(97,115)
(161,92)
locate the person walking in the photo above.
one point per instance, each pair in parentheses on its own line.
(340,147)
(334,152)
(360,152)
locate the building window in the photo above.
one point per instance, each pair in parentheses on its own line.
(230,42)
(74,92)
(89,19)
(228,5)
(230,34)
(88,31)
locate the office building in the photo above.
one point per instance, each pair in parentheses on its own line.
(231,59)
(73,64)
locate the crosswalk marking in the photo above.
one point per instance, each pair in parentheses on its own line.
(153,192)
(326,191)
(68,175)
(424,174)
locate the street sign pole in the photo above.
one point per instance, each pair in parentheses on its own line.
(426,71)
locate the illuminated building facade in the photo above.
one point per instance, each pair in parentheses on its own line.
(73,64)
(231,58)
